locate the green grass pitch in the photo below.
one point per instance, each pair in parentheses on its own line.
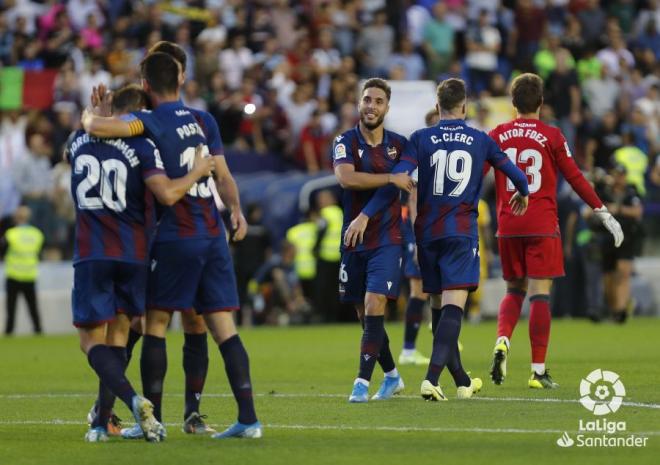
(302,378)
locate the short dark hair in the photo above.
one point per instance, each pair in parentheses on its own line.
(161,71)
(527,93)
(171,49)
(129,98)
(451,93)
(379,84)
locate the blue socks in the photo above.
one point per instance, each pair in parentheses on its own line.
(133,338)
(370,347)
(237,367)
(445,342)
(153,366)
(195,367)
(414,315)
(110,369)
(385,358)
(106,399)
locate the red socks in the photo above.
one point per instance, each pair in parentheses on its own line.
(510,308)
(539,326)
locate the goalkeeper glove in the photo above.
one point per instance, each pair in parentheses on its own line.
(611,224)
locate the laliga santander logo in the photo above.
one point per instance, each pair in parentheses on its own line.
(601,392)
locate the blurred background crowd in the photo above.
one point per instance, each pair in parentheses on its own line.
(282,79)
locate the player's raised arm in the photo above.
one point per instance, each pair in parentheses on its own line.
(569,169)
(112,126)
(169,191)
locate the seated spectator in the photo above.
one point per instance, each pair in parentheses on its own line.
(278,295)
(91,34)
(602,143)
(409,61)
(438,41)
(616,55)
(601,94)
(313,146)
(375,46)
(33,179)
(483,45)
(236,59)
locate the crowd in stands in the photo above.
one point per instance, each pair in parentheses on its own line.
(281,77)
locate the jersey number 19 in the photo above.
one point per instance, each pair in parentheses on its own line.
(456,166)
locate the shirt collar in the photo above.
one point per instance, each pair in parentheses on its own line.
(451,122)
(175,104)
(362,141)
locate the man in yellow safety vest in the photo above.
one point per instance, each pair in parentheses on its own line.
(23,243)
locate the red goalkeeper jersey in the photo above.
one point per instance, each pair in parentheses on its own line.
(540,151)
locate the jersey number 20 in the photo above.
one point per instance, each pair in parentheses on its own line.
(456,166)
(111,173)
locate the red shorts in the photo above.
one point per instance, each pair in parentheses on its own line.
(536,257)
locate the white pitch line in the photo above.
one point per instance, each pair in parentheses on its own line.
(645,405)
(396,429)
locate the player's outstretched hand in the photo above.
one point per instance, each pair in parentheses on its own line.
(203,164)
(101,100)
(518,203)
(238,226)
(355,231)
(402,181)
(611,224)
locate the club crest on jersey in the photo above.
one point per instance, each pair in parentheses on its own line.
(340,151)
(392,152)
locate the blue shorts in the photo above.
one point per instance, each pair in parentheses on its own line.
(377,271)
(103,288)
(449,263)
(192,274)
(410,266)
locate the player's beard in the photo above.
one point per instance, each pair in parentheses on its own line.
(371,126)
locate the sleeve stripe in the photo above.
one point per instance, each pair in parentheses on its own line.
(136,127)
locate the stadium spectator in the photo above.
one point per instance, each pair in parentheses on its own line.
(313,146)
(279,288)
(375,45)
(235,59)
(22,243)
(303,56)
(249,255)
(483,43)
(304,237)
(406,64)
(438,41)
(623,200)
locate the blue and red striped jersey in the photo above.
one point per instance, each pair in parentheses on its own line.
(407,232)
(115,214)
(350,147)
(450,159)
(177,130)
